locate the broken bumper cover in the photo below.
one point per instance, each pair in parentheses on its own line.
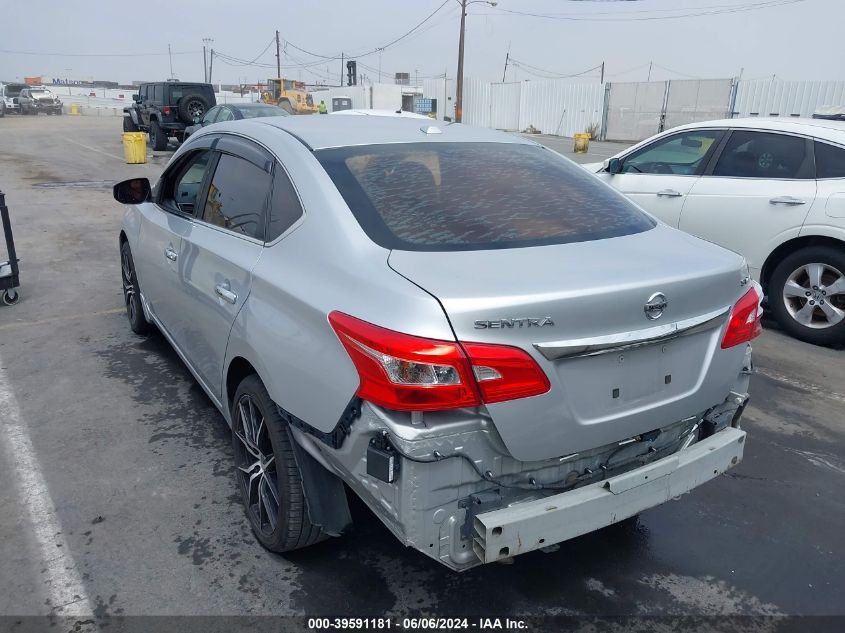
(527,526)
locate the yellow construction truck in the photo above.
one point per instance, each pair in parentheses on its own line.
(289,95)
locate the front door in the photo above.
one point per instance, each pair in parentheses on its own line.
(217,258)
(759,192)
(660,175)
(164,225)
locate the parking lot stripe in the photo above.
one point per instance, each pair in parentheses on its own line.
(66,593)
(799,384)
(99,151)
(69,317)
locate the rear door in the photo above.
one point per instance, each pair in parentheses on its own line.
(660,175)
(218,254)
(755,195)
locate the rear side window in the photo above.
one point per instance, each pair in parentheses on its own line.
(158,93)
(750,154)
(830,161)
(285,208)
(473,196)
(237,197)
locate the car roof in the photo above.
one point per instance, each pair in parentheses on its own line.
(819,128)
(321,132)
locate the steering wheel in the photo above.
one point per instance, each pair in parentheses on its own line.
(662,168)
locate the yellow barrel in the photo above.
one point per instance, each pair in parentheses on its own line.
(135,147)
(582,143)
(74,108)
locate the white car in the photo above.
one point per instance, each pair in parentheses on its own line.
(772,190)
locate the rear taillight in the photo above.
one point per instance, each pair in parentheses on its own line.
(166,110)
(745,320)
(410,373)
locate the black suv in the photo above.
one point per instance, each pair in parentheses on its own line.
(165,108)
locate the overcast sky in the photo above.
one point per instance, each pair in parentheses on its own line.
(793,39)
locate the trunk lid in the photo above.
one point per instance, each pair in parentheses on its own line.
(561,303)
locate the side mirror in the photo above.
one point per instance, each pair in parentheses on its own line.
(136,98)
(614,166)
(132,191)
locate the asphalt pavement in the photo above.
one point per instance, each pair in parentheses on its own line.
(117,495)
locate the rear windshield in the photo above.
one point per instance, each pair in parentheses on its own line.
(473,196)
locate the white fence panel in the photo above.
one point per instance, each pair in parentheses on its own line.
(561,108)
(692,100)
(766,97)
(634,110)
(476,102)
(504,106)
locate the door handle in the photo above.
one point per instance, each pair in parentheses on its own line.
(170,254)
(669,193)
(788,200)
(224,293)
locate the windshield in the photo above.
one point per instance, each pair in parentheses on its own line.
(256,111)
(470,196)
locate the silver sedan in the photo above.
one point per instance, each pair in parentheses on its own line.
(492,348)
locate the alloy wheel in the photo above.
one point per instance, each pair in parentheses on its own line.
(195,109)
(256,465)
(128,285)
(814,295)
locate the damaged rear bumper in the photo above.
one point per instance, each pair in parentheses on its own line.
(530,525)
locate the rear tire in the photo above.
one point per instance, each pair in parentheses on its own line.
(129,124)
(132,293)
(266,471)
(11,297)
(158,137)
(807,294)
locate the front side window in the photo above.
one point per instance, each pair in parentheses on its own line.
(237,197)
(830,161)
(225,115)
(472,196)
(750,154)
(186,185)
(680,154)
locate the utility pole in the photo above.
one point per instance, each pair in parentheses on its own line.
(206,43)
(459,89)
(649,71)
(342,68)
(210,65)
(507,57)
(379,63)
(278,57)
(170,55)
(602,72)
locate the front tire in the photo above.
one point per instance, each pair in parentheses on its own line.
(131,293)
(807,295)
(11,297)
(158,137)
(266,471)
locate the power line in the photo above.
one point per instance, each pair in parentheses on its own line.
(40,53)
(548,74)
(693,12)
